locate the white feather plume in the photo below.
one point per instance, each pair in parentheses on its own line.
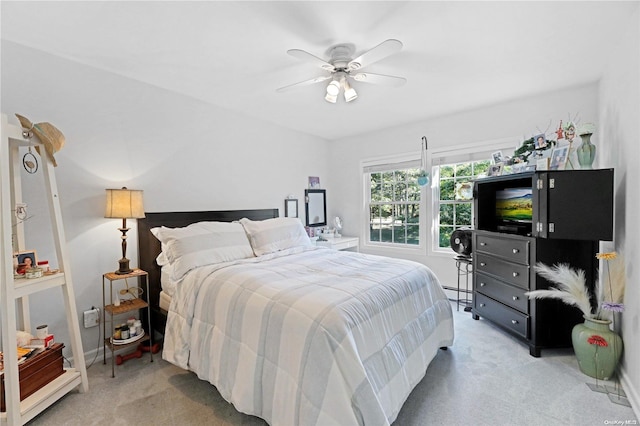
(570,286)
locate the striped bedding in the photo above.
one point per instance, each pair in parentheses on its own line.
(310,336)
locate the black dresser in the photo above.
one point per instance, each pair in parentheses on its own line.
(571,211)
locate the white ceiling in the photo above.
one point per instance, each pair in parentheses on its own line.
(456,55)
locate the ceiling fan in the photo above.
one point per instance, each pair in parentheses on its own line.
(342,67)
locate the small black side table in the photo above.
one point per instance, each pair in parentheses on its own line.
(465,269)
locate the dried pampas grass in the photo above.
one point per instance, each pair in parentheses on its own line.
(571,287)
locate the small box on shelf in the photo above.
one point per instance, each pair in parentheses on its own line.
(45,342)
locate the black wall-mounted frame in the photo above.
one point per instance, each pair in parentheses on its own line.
(290,207)
(315,201)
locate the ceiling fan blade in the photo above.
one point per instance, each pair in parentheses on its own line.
(314,80)
(381,51)
(306,56)
(387,80)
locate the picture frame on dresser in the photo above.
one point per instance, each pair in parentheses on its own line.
(540,141)
(559,158)
(495,170)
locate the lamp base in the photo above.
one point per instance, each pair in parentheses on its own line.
(124,267)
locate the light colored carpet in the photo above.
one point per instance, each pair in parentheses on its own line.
(486,378)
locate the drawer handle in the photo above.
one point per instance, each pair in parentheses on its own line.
(483,284)
(483,244)
(482,305)
(515,298)
(515,274)
(483,264)
(514,322)
(515,251)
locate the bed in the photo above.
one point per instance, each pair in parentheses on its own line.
(290,332)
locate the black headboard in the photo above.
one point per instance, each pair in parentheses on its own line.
(149,246)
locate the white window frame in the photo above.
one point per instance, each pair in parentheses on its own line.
(402,161)
(447,155)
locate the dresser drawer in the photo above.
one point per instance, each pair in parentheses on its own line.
(507,248)
(512,273)
(501,315)
(511,296)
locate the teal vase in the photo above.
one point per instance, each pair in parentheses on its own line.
(597,348)
(586,152)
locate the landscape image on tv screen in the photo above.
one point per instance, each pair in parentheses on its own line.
(514,205)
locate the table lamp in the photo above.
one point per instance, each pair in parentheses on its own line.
(124,204)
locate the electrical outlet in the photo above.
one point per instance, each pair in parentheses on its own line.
(91,318)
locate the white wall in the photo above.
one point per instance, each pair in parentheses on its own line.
(184,154)
(619,112)
(519,119)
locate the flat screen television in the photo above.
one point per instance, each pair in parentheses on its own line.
(514,205)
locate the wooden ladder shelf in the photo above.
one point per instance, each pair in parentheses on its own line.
(14,315)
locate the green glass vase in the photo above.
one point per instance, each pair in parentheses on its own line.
(586,152)
(597,348)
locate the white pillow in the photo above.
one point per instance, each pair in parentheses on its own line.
(162,260)
(270,235)
(167,283)
(202,243)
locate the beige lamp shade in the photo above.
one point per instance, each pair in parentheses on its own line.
(124,204)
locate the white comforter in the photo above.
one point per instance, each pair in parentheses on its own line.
(310,336)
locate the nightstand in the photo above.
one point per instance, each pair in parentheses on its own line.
(341,243)
(111,310)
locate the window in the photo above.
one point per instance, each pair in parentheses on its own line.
(456,196)
(451,195)
(393,203)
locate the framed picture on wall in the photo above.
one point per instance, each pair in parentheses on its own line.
(291,207)
(314,182)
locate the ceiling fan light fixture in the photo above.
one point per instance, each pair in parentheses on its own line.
(333,88)
(349,92)
(331,98)
(350,95)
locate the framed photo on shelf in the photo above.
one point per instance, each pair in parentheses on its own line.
(559,158)
(314,182)
(497,157)
(495,170)
(26,259)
